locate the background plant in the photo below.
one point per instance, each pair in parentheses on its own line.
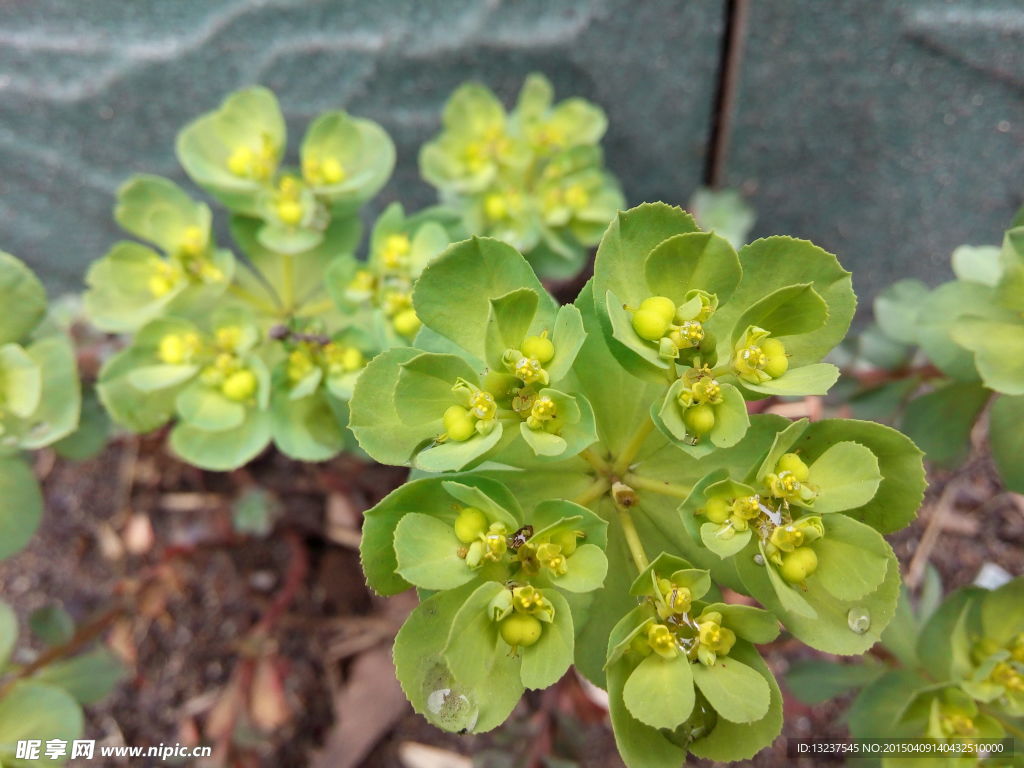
(534,177)
(631,403)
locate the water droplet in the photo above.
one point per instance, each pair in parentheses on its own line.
(859,619)
(759,559)
(448,705)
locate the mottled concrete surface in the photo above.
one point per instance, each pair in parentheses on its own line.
(92,92)
(887,131)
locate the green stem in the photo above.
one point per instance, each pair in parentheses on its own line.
(636,442)
(590,456)
(288,281)
(675,490)
(260,303)
(316,308)
(593,492)
(636,547)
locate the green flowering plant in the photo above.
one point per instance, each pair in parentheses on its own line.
(627,410)
(234,352)
(955,671)
(533,177)
(952,354)
(40,397)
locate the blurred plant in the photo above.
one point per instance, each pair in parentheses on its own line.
(39,397)
(935,358)
(534,177)
(237,353)
(631,402)
(44,695)
(956,672)
(725,212)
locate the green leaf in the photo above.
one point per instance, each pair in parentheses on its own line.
(815,681)
(978,264)
(374,420)
(89,677)
(852,558)
(659,692)
(943,645)
(789,311)
(711,535)
(224,450)
(752,624)
(880,350)
(1007,440)
(550,657)
(135,409)
(737,692)
(92,433)
(902,488)
(941,311)
(205,408)
(453,295)
(777,262)
(21,505)
(588,567)
(1001,618)
(453,456)
(508,323)
(897,309)
(940,421)
(480,660)
(692,260)
(362,148)
(158,210)
(731,421)
(998,351)
(880,706)
(427,552)
(8,633)
(307,428)
(33,710)
(22,296)
(56,415)
(22,382)
(52,624)
(846,475)
(815,379)
(724,211)
(729,741)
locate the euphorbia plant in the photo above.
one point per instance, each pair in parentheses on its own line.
(533,177)
(238,353)
(588,481)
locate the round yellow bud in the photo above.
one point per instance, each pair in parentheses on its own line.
(240,161)
(520,629)
(160,285)
(470,524)
(777,362)
(458,424)
(649,324)
(539,348)
(661,305)
(406,322)
(352,359)
(717,509)
(792,463)
(495,206)
(332,170)
(172,349)
(566,540)
(799,564)
(240,385)
(290,212)
(699,419)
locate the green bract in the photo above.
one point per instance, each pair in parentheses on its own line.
(40,397)
(534,177)
(239,353)
(630,403)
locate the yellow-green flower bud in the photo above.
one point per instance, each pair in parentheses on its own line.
(541,412)
(470,524)
(406,323)
(714,639)
(300,364)
(707,390)
(661,305)
(689,335)
(458,424)
(662,641)
(240,385)
(395,252)
(649,325)
(699,419)
(551,557)
(527,599)
(482,405)
(799,564)
(178,348)
(567,540)
(747,507)
(717,509)
(787,537)
(792,463)
(677,600)
(529,370)
(538,348)
(520,629)
(776,359)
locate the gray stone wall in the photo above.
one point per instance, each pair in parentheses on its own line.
(886,131)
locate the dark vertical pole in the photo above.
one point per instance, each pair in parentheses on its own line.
(728,81)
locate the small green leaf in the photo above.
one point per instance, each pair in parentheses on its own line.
(737,692)
(815,379)
(789,311)
(978,264)
(846,475)
(32,710)
(158,210)
(940,312)
(207,409)
(1007,440)
(92,433)
(751,624)
(225,450)
(428,553)
(23,297)
(940,421)
(21,505)
(692,260)
(815,681)
(550,657)
(307,428)
(718,541)
(89,677)
(52,624)
(998,351)
(852,558)
(374,419)
(897,309)
(8,633)
(588,567)
(659,692)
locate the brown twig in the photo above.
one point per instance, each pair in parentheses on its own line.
(931,534)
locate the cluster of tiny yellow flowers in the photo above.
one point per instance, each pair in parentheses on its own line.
(190,261)
(698,398)
(477,416)
(700,638)
(677,330)
(758,358)
(391,289)
(223,368)
(334,358)
(254,162)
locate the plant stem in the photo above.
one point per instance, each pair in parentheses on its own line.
(259,302)
(288,281)
(593,492)
(675,490)
(633,447)
(636,547)
(316,308)
(590,456)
